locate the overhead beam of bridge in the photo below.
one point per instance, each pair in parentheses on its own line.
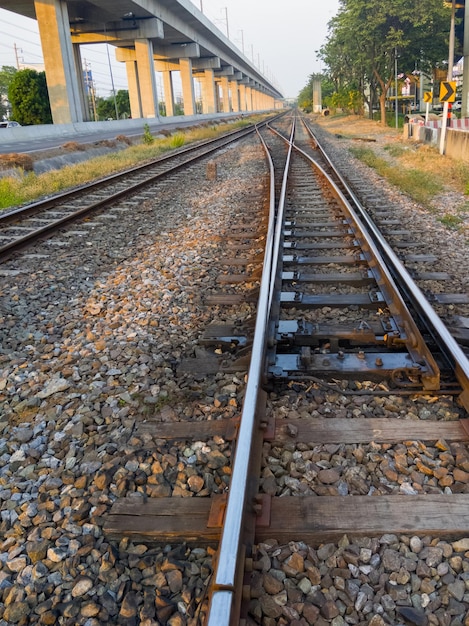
(170,32)
(120,32)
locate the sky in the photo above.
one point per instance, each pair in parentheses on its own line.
(280,38)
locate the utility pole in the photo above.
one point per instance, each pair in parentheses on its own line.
(16,56)
(227,26)
(465,78)
(242,40)
(110,72)
(90,87)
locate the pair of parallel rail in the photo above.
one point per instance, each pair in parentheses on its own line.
(387,345)
(338,245)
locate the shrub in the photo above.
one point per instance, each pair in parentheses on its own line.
(147,136)
(177,140)
(8,196)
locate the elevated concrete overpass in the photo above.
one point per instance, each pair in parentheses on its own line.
(149,36)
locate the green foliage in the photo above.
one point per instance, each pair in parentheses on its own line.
(365,36)
(6,76)
(29,98)
(178,108)
(106,107)
(147,136)
(8,195)
(453,222)
(349,99)
(177,140)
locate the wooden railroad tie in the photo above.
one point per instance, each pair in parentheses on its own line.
(313,519)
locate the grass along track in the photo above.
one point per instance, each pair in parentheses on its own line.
(25,186)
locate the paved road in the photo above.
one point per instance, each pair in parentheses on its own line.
(25,145)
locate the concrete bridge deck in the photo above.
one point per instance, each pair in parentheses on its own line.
(149,36)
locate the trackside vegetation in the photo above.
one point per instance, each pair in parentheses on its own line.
(369,40)
(25,186)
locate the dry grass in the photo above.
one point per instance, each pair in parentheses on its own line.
(28,187)
(73,146)
(417,169)
(124,139)
(16,160)
(448,171)
(106,143)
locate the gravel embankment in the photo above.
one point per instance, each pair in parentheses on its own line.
(93,327)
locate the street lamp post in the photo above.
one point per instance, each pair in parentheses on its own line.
(396,87)
(110,72)
(450,76)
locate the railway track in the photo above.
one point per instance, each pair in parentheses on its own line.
(23,226)
(361,332)
(338,494)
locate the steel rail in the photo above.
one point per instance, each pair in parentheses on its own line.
(31,208)
(447,343)
(21,242)
(224,585)
(415,343)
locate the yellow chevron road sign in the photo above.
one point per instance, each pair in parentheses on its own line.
(448,91)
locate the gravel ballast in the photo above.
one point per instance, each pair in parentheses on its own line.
(93,326)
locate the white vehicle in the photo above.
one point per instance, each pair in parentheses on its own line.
(9,124)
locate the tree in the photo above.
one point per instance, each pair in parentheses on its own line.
(305,97)
(106,107)
(366,36)
(6,76)
(29,98)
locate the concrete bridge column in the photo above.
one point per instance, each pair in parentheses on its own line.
(225,94)
(249,103)
(134,92)
(252,99)
(255,100)
(62,81)
(85,103)
(146,77)
(242,98)
(234,95)
(209,92)
(188,92)
(168,93)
